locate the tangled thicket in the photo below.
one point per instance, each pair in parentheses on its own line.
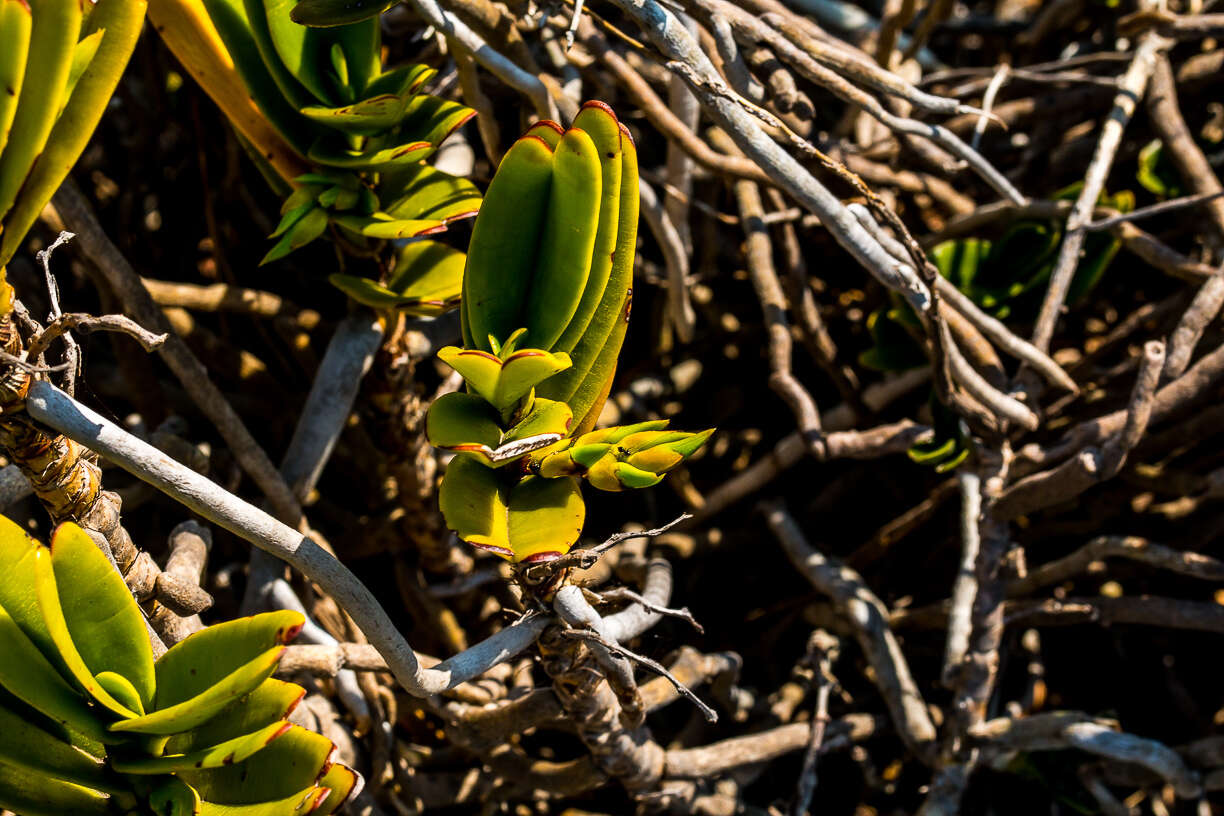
(945,277)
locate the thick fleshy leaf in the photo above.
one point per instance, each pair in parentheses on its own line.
(325,13)
(203,674)
(226,753)
(121,689)
(53,36)
(293,761)
(174,797)
(612,475)
(31,793)
(548,131)
(196,710)
(17,593)
(24,745)
(304,801)
(524,370)
(381,225)
(122,20)
(404,81)
(101,615)
(207,656)
(364,118)
(535,520)
(303,51)
(585,386)
(546,418)
(307,228)
(423,191)
(273,700)
(504,382)
(502,252)
(16,18)
(546,518)
(428,271)
(462,423)
(370,293)
(563,260)
(467,424)
(256,81)
(474,506)
(599,122)
(66,649)
(29,676)
(83,54)
(479,369)
(344,783)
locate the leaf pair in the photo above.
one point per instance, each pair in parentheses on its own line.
(58,69)
(89,722)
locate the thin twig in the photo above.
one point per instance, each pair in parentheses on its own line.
(581,634)
(869,617)
(88,323)
(1130,91)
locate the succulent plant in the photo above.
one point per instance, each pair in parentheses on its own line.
(60,61)
(90,723)
(361,131)
(546,301)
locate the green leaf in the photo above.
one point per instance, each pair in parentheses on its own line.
(83,54)
(428,271)
(381,225)
(600,123)
(31,793)
(563,261)
(303,51)
(226,753)
(25,745)
(587,384)
(324,13)
(364,118)
(546,418)
(59,150)
(29,676)
(343,783)
(307,228)
(57,624)
(271,701)
(536,519)
(307,800)
(502,252)
(17,594)
(294,761)
(52,39)
(427,121)
(257,24)
(16,19)
(204,673)
(174,797)
(463,423)
(102,617)
(504,382)
(265,82)
(405,81)
(422,191)
(1154,173)
(121,689)
(467,424)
